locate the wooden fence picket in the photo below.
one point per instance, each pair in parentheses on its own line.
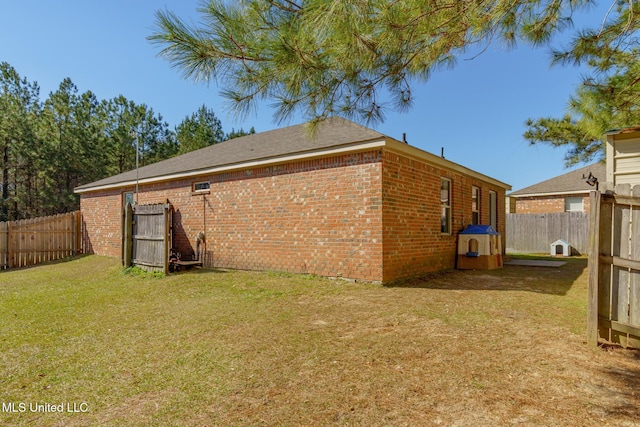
(32,241)
(572,227)
(614,267)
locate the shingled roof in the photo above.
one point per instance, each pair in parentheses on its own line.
(568,183)
(330,134)
(293,143)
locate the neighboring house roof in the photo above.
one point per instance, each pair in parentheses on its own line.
(332,136)
(623,130)
(573,182)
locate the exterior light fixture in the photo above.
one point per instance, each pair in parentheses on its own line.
(591,180)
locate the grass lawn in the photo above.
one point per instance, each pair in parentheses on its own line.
(233,348)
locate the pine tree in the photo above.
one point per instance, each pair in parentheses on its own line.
(342,57)
(49,148)
(130,127)
(19,105)
(238,133)
(199,130)
(609,96)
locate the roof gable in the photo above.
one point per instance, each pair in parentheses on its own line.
(570,182)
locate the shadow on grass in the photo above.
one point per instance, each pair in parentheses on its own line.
(199,270)
(548,280)
(624,372)
(52,262)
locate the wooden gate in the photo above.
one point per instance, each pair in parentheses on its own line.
(147,236)
(614,267)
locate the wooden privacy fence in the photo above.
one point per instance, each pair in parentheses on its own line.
(147,236)
(32,241)
(614,267)
(534,233)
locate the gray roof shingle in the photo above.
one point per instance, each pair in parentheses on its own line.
(332,133)
(570,182)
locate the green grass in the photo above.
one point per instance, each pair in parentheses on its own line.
(208,347)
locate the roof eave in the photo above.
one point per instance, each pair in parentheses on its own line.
(422,155)
(555,193)
(351,148)
(623,130)
(384,142)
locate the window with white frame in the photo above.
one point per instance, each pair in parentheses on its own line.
(573,204)
(445,205)
(201,186)
(127,197)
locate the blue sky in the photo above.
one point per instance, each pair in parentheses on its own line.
(476,111)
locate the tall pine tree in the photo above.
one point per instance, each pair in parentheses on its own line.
(342,57)
(609,96)
(19,105)
(199,130)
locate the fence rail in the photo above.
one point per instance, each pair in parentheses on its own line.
(32,241)
(534,233)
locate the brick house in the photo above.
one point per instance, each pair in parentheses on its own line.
(347,201)
(568,192)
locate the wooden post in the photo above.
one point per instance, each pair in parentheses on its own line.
(634,291)
(127,235)
(123,215)
(5,244)
(167,244)
(10,262)
(594,269)
(77,230)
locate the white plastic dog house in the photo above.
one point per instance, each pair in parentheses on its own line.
(560,248)
(479,248)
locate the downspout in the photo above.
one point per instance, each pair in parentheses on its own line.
(201,237)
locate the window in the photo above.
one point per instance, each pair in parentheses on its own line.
(493,209)
(475,205)
(445,204)
(127,198)
(201,186)
(573,204)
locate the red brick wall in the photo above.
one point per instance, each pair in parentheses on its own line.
(586,204)
(547,204)
(331,217)
(318,216)
(102,222)
(413,242)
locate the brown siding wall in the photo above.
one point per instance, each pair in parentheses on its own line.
(413,242)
